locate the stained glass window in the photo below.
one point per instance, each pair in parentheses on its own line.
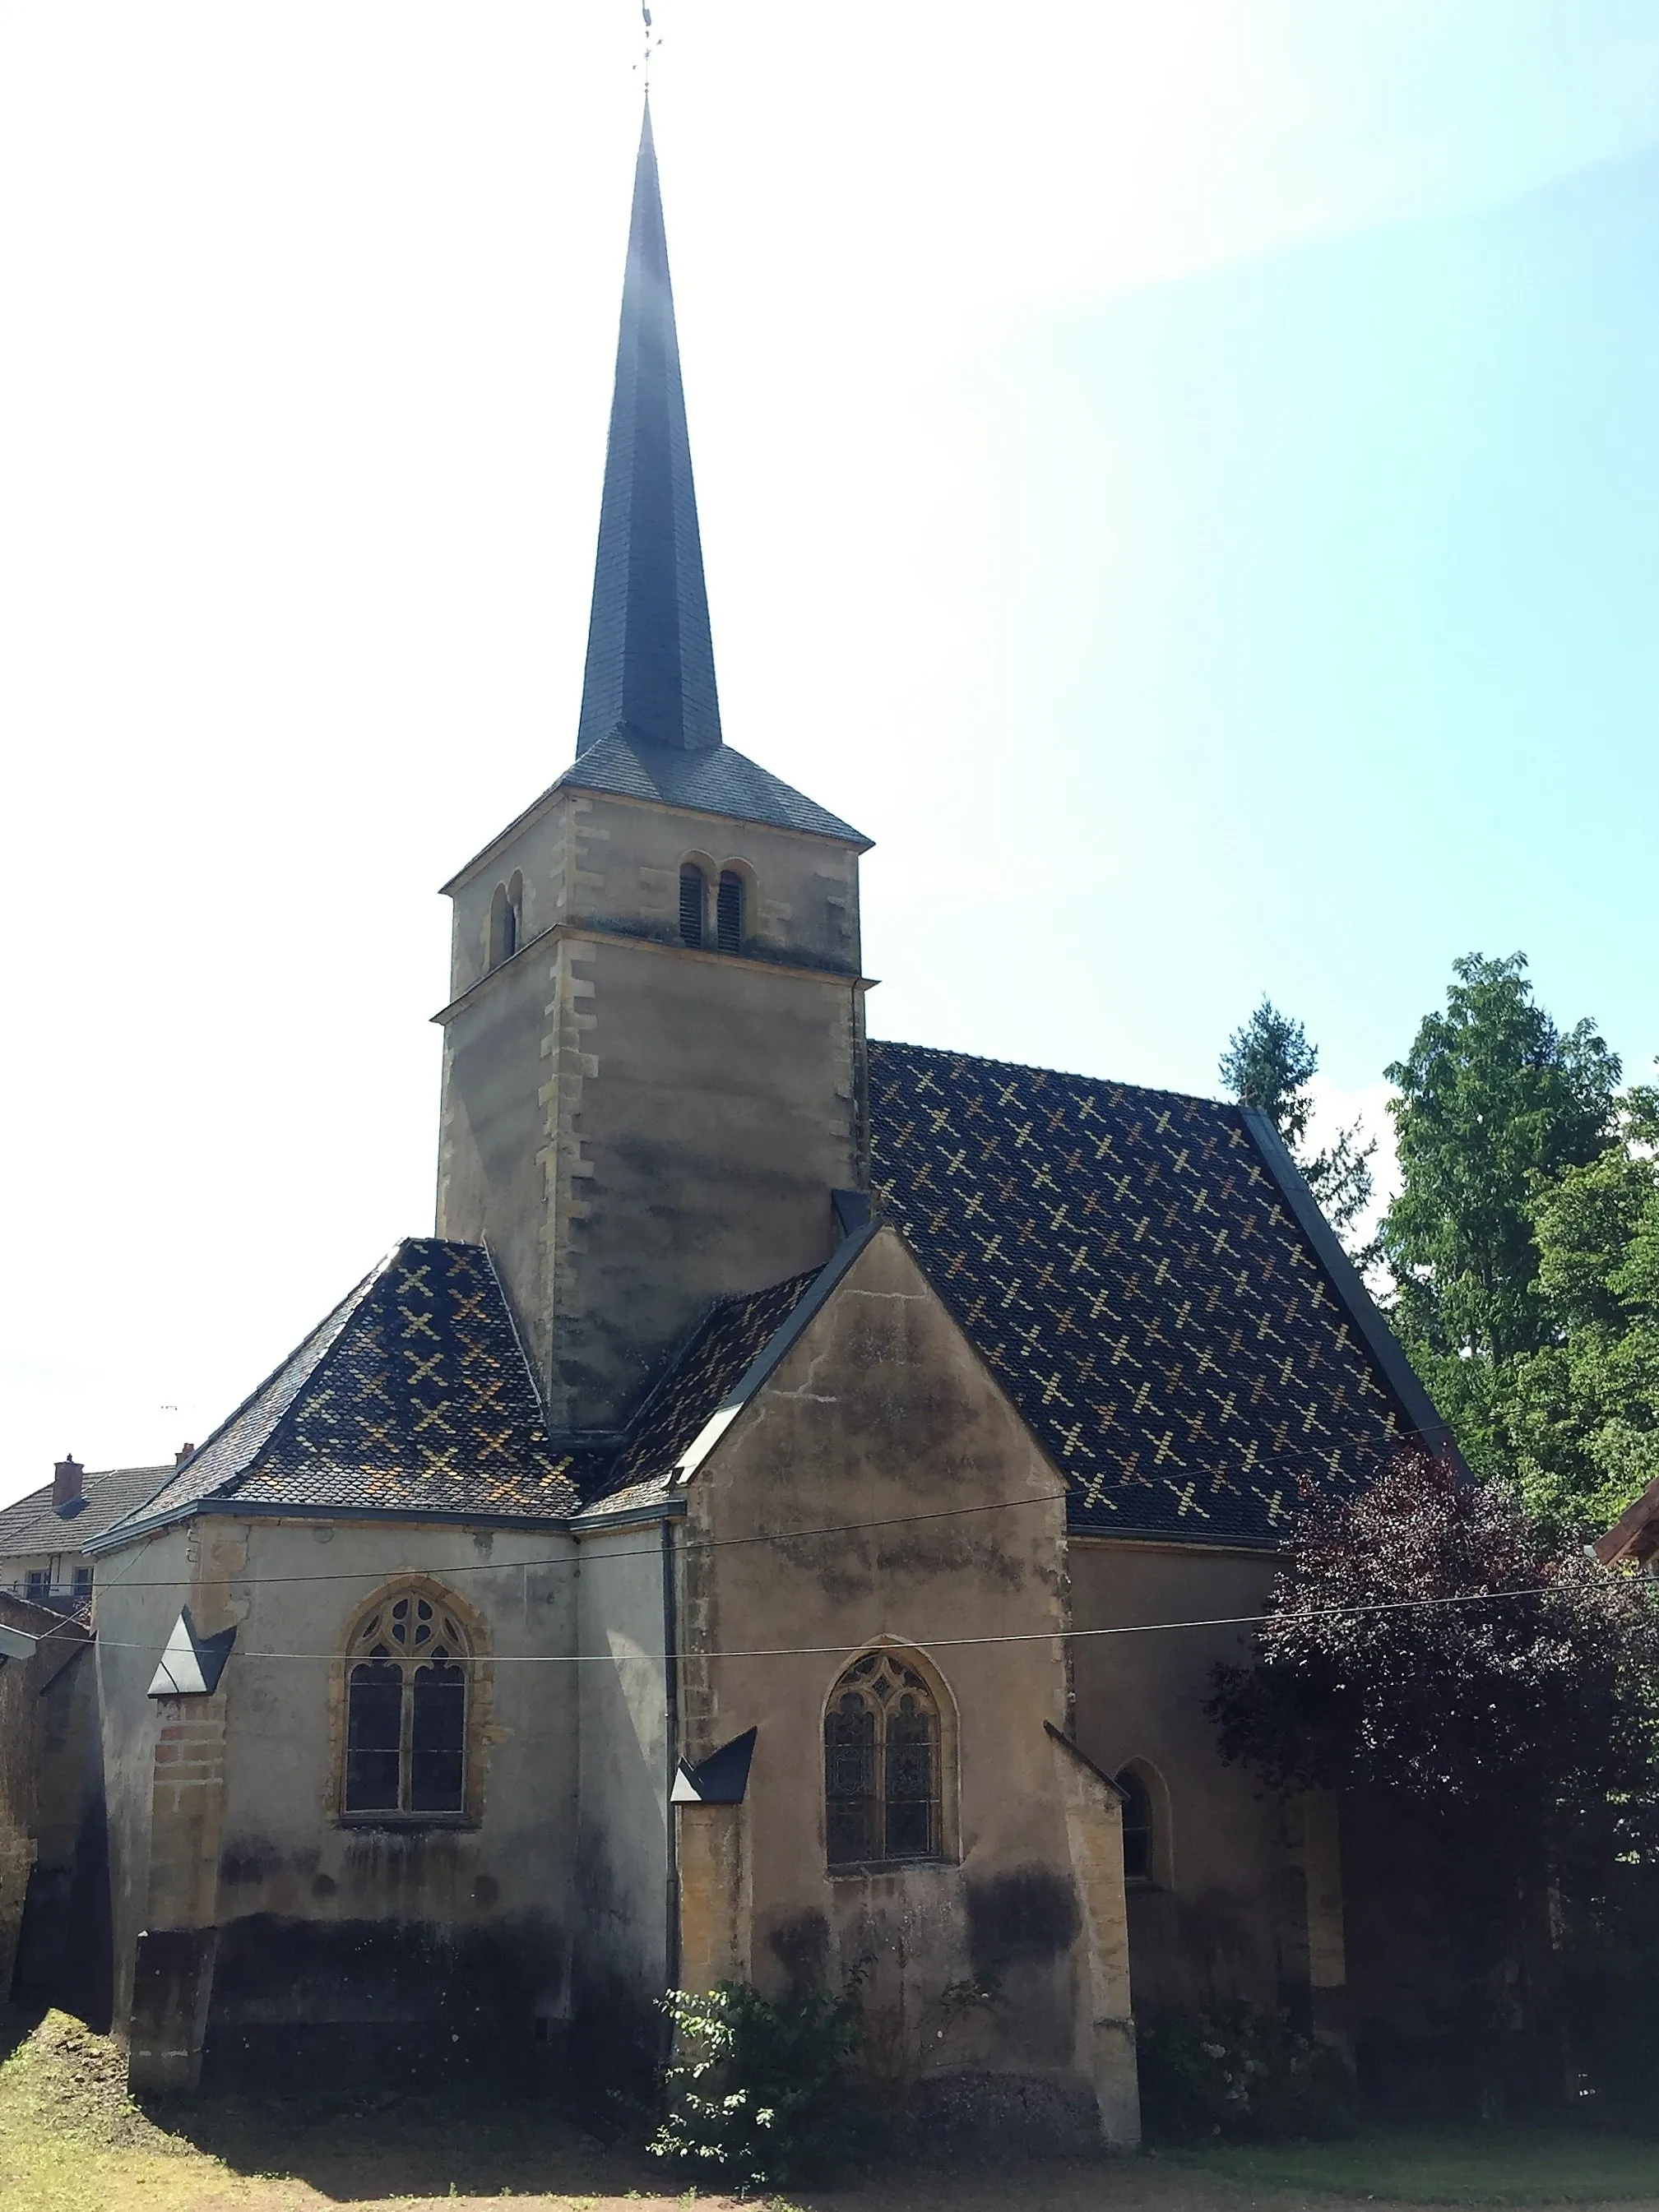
(881,1762)
(406,1692)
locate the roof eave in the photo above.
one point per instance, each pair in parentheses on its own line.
(1430,1430)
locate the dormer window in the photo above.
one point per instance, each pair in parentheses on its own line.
(728,913)
(694,901)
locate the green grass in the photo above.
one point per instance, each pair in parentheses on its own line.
(1496,2164)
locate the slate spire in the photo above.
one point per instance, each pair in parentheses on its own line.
(650,656)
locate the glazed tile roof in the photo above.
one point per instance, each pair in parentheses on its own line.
(718,780)
(413,1396)
(713,1359)
(31,1525)
(1133,1273)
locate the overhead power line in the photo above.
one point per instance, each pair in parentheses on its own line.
(921,1643)
(651,1551)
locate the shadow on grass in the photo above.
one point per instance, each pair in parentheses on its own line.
(348,2146)
(17,2023)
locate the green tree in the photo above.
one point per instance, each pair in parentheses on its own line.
(1580,1415)
(1493,1100)
(1495,1105)
(1269,1064)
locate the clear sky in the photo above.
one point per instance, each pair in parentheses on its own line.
(1183,479)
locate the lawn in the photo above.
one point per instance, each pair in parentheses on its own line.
(71,2140)
(1497,2165)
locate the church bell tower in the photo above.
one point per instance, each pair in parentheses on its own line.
(653,1055)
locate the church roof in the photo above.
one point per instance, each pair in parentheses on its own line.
(650,721)
(413,1397)
(717,780)
(1148,1279)
(704,1377)
(1144,1272)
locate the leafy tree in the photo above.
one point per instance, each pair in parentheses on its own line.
(1268,1064)
(1427,1648)
(1494,1098)
(1578,1419)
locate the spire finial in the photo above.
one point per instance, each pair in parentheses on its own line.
(652,40)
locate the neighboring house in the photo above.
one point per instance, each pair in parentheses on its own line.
(780,1527)
(1633,1539)
(44,1537)
(54,1890)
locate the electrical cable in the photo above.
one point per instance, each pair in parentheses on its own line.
(922,1643)
(650,1551)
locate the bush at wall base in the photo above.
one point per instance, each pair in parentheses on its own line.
(1239,2071)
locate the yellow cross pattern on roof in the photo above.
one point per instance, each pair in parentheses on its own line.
(1188,1234)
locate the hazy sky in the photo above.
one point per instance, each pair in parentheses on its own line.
(1183,479)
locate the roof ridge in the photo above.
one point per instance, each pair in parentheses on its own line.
(349,1309)
(1062,1074)
(338,1312)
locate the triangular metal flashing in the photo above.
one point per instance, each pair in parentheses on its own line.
(722,1779)
(191,1664)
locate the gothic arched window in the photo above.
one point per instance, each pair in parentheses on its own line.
(728,912)
(881,1764)
(694,901)
(406,1709)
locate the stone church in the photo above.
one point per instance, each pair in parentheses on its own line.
(752,1537)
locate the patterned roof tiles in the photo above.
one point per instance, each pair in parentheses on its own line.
(413,1396)
(1130,1270)
(729,1340)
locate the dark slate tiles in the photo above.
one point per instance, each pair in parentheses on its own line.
(726,1343)
(413,1396)
(719,781)
(1129,1269)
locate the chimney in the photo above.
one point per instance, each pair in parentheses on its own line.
(182,1454)
(66,1480)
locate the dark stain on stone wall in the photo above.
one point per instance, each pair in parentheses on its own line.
(1021,1917)
(250,1860)
(299,2002)
(801,1948)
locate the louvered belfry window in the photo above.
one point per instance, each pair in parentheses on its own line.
(728,913)
(406,1691)
(881,1765)
(693,897)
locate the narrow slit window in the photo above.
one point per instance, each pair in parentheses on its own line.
(729,915)
(1138,1826)
(694,894)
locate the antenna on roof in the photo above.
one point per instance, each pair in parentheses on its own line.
(652,40)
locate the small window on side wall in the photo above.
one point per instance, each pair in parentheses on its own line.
(1146,1824)
(729,917)
(693,900)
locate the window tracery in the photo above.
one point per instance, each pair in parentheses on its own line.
(881,1764)
(406,1709)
